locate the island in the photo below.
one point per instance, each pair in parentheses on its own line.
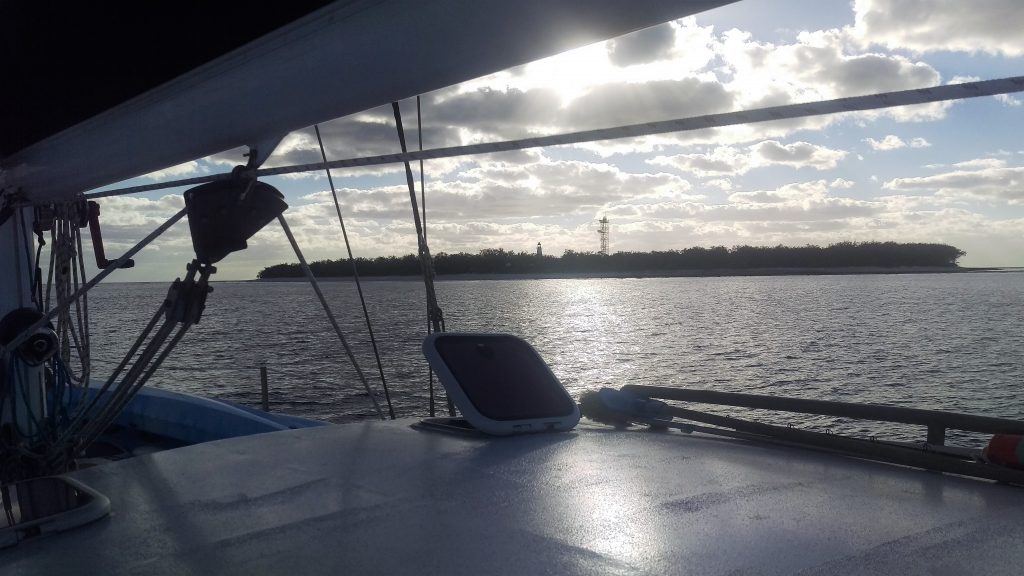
(838,258)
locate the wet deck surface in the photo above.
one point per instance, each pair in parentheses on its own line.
(386,498)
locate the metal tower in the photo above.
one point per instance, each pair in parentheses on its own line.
(603,232)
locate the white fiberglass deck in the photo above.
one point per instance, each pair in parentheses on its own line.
(385,498)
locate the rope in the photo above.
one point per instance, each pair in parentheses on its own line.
(787,112)
(85,407)
(92,283)
(355,275)
(327,309)
(182,308)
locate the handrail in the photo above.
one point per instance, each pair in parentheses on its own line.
(937,421)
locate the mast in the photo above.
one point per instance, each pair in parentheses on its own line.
(17,272)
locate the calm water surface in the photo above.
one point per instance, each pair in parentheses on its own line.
(942,341)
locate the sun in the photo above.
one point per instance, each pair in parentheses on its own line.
(570,74)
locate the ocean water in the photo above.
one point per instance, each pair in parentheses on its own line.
(938,341)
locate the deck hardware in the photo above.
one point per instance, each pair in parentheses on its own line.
(40,345)
(223,215)
(93,218)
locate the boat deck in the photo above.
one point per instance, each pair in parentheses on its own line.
(386,498)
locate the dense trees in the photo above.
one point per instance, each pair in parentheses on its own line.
(499,261)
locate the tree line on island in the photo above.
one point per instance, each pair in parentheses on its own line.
(500,261)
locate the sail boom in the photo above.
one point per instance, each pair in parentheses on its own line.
(339,60)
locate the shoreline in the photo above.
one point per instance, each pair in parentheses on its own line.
(695,273)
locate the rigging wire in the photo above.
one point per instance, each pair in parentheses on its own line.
(355,275)
(434,313)
(87,402)
(423,203)
(959,91)
(423,186)
(327,310)
(426,263)
(83,320)
(182,308)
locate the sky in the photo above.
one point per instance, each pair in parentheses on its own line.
(944,172)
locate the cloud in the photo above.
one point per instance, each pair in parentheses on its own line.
(501,113)
(890,142)
(125,220)
(725,160)
(793,194)
(1009,100)
(894,142)
(984,179)
(992,26)
(800,213)
(614,104)
(797,155)
(499,191)
(673,70)
(664,191)
(642,47)
(723,184)
(185,170)
(821,65)
(981,163)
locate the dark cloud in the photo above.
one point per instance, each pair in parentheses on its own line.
(641,47)
(870,73)
(507,113)
(798,154)
(628,103)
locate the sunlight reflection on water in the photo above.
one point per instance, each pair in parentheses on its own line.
(943,341)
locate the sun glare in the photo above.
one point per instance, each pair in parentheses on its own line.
(571,73)
(574,73)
